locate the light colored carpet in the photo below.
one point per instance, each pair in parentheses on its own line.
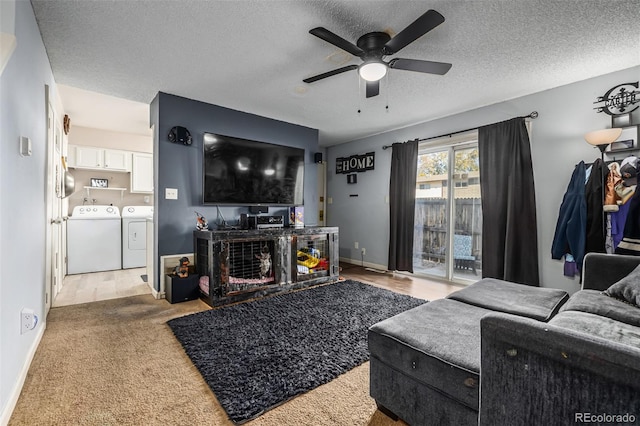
(116,362)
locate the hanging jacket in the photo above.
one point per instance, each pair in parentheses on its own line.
(630,243)
(595,226)
(570,235)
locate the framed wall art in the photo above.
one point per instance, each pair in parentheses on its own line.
(99,183)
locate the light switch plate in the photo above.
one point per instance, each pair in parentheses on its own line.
(170,193)
(25,146)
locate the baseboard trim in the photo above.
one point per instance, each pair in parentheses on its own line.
(364,264)
(17,388)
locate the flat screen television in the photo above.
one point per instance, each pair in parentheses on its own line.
(245,172)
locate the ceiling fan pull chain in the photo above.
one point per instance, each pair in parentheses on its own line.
(386,92)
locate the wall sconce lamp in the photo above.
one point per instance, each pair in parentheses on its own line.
(603,138)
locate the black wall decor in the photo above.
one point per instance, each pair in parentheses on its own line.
(356,163)
(619,99)
(352,178)
(317,157)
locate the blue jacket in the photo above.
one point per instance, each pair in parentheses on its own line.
(570,236)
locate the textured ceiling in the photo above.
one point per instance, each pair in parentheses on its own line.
(253,55)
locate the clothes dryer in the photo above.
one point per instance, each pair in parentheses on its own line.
(134,235)
(94,239)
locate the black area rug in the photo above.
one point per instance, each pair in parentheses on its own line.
(257,355)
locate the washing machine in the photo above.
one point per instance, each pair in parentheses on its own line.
(94,239)
(134,235)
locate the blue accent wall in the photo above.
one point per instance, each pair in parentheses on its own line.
(180,166)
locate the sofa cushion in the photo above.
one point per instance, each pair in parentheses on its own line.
(595,302)
(511,298)
(596,325)
(627,289)
(437,344)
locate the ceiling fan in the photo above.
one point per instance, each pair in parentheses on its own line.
(373,47)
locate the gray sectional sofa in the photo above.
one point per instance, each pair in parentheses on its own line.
(499,353)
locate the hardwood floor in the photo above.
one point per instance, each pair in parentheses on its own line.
(83,288)
(422,288)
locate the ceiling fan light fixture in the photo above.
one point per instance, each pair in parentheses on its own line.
(372,70)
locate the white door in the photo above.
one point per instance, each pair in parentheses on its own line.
(322,193)
(55,240)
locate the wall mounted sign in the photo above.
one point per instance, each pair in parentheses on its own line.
(619,99)
(356,163)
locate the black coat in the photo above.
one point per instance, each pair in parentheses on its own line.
(595,226)
(570,232)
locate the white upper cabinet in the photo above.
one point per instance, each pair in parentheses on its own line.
(117,160)
(142,173)
(88,157)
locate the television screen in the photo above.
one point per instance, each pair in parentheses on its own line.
(244,172)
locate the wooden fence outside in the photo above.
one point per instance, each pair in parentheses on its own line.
(430,235)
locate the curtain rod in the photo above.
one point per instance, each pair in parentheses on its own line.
(532,116)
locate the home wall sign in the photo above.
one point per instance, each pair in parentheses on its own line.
(619,99)
(355,163)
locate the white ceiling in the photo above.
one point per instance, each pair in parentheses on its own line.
(252,56)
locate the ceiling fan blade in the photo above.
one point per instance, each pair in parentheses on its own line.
(330,73)
(428,21)
(373,88)
(430,67)
(336,40)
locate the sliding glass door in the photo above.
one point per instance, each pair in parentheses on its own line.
(448,216)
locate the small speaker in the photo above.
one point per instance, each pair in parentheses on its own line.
(252,223)
(317,157)
(258,209)
(244,221)
(179,134)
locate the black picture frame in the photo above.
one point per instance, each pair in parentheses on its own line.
(628,140)
(99,183)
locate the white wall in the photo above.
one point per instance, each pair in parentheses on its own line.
(22,201)
(557,144)
(87,136)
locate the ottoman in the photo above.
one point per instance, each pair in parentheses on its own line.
(425,362)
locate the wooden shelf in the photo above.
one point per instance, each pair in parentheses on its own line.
(89,188)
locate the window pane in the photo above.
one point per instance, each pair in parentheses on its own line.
(467,214)
(430,237)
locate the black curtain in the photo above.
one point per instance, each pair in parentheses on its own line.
(402,203)
(509,232)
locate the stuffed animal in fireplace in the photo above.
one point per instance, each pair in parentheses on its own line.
(182,270)
(265,262)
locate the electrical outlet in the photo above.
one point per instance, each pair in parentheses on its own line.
(356,245)
(364,251)
(28,320)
